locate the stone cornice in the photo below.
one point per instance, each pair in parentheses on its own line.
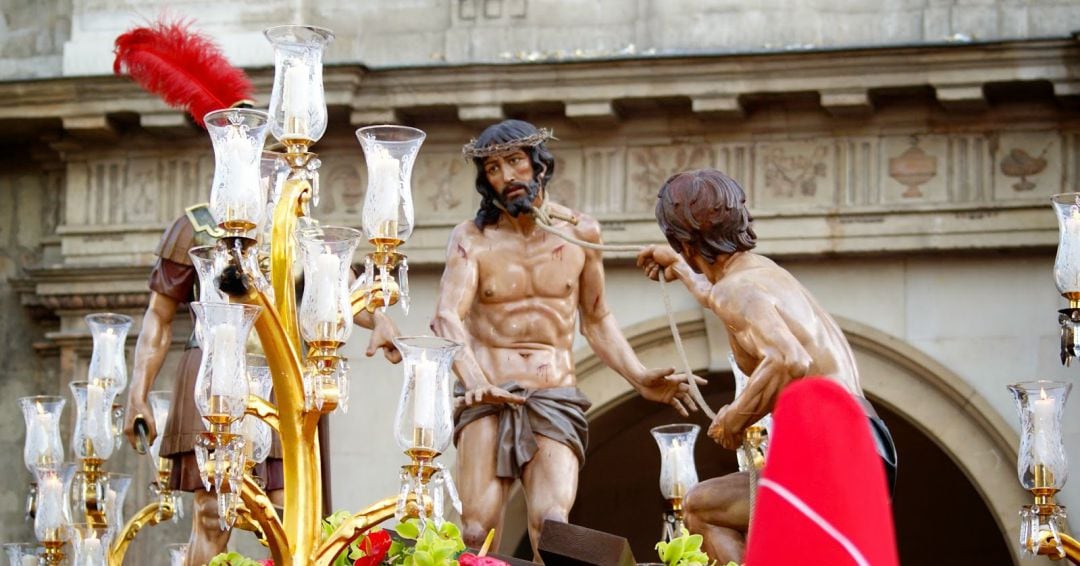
(715,84)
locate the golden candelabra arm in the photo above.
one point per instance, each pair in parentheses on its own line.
(152,514)
(353,528)
(294,197)
(258,512)
(296,427)
(262,409)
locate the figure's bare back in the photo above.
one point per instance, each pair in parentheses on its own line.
(758,278)
(521,324)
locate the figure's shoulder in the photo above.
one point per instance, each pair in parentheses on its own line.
(178,238)
(587,227)
(464,236)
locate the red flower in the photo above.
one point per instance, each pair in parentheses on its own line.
(375,546)
(467,559)
(267,562)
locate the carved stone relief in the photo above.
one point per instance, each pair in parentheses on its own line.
(917,170)
(603,186)
(568,174)
(1026,164)
(443,187)
(795,174)
(649,167)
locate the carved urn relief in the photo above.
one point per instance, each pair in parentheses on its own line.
(912,169)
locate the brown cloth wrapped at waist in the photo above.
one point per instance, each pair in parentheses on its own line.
(556,412)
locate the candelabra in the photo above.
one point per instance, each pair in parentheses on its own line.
(261,204)
(678,473)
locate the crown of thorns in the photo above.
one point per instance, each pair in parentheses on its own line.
(472,150)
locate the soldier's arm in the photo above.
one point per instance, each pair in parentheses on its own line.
(152,346)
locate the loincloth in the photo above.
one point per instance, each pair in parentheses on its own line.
(556,412)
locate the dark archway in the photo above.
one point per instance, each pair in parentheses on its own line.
(940,517)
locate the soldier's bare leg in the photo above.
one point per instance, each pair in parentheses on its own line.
(207,538)
(550,480)
(719,510)
(482,492)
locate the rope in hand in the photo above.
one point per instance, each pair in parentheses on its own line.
(544,216)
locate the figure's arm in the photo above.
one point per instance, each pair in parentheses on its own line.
(758,328)
(604,336)
(152,346)
(383,332)
(654,258)
(457,291)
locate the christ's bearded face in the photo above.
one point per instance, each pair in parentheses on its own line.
(512,177)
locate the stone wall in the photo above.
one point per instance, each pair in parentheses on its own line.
(29,206)
(435,32)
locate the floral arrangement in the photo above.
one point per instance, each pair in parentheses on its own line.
(684,550)
(412,546)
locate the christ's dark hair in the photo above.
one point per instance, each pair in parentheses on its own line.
(507,131)
(706,210)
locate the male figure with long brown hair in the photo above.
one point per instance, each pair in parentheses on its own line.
(512,293)
(777,331)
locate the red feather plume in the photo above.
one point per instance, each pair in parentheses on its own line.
(184,68)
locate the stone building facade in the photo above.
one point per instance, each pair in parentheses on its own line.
(898,157)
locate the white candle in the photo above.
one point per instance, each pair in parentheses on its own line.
(28,560)
(384,200)
(295,99)
(107,360)
(424,379)
(1043,428)
(110,504)
(223,365)
(327,266)
(95,409)
(50,514)
(241,195)
(676,468)
(39,437)
(91,547)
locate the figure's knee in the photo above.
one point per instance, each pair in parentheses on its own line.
(556,513)
(474,530)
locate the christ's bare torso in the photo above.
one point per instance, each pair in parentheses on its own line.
(521,325)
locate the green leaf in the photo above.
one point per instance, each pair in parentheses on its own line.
(673,551)
(423,558)
(408,529)
(693,543)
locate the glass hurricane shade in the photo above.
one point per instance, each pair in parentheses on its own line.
(297,101)
(390,153)
(237,197)
(1067,262)
(1041,462)
(221,387)
(424,419)
(259,434)
(93,435)
(326,309)
(23,554)
(43,446)
(160,405)
(678,473)
(108,366)
(52,509)
(89,544)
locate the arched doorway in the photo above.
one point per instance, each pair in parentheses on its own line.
(952,446)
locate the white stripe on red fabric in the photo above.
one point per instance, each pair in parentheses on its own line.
(820,521)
